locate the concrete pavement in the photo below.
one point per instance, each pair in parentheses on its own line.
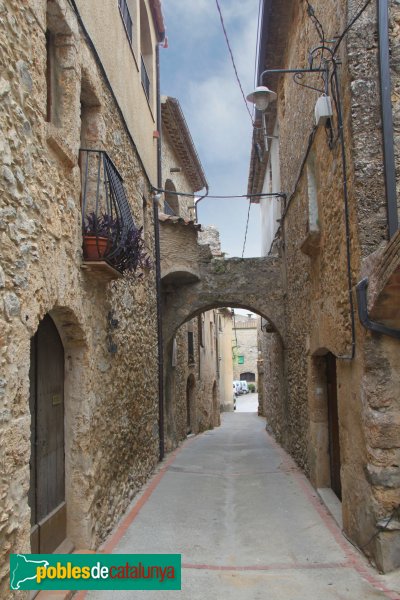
(248,525)
(247,403)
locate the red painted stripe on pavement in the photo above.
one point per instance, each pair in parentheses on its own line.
(272,567)
(354,560)
(121,529)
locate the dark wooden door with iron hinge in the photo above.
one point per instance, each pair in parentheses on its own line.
(47,483)
(333,423)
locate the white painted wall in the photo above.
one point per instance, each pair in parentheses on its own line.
(270,207)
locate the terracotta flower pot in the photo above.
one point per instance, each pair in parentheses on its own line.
(94,248)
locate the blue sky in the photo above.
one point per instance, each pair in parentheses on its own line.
(196,69)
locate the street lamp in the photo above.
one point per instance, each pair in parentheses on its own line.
(261,97)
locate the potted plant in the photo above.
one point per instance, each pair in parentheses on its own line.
(132,251)
(98,235)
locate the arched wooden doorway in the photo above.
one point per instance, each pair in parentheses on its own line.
(47,464)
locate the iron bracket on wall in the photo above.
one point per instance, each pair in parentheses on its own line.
(363,313)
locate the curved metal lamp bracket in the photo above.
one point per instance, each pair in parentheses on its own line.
(363,313)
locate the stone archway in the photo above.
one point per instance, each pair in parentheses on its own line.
(252,283)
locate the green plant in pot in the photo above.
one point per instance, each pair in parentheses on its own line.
(98,235)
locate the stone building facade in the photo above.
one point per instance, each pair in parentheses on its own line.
(78,339)
(245,348)
(195,380)
(225,336)
(331,375)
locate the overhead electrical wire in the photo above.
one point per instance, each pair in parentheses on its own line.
(190,195)
(247,228)
(232,58)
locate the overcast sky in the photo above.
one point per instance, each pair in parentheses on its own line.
(196,69)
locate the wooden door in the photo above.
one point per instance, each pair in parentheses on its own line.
(189,403)
(333,423)
(47,488)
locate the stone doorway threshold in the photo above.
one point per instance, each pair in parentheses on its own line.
(65,548)
(332,503)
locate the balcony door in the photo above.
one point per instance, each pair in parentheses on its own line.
(47,465)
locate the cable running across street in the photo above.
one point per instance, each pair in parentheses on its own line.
(233,60)
(247,228)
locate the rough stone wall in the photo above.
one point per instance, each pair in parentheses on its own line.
(317,307)
(317,312)
(251,283)
(270,385)
(180,256)
(179,249)
(210,236)
(202,371)
(110,400)
(367,151)
(245,335)
(208,415)
(394,37)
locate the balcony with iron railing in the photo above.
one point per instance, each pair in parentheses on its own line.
(111,241)
(126,18)
(145,79)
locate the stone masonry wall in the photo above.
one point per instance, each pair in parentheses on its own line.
(180,254)
(317,307)
(110,400)
(394,36)
(247,346)
(201,372)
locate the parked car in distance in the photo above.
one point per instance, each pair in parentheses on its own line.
(237,387)
(244,386)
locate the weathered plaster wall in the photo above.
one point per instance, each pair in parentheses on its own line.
(122,64)
(111,400)
(178,178)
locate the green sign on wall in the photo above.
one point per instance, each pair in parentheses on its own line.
(241,360)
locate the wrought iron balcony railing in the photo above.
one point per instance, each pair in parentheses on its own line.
(109,232)
(145,79)
(126,17)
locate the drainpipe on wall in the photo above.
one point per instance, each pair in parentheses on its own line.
(387,117)
(158,270)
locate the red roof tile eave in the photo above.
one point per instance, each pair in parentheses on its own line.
(158,19)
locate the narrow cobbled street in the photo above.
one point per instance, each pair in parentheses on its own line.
(248,524)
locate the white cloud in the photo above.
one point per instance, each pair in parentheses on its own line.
(214,107)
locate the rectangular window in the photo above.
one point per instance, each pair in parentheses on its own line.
(200,327)
(126,18)
(145,79)
(190,348)
(52,82)
(240,359)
